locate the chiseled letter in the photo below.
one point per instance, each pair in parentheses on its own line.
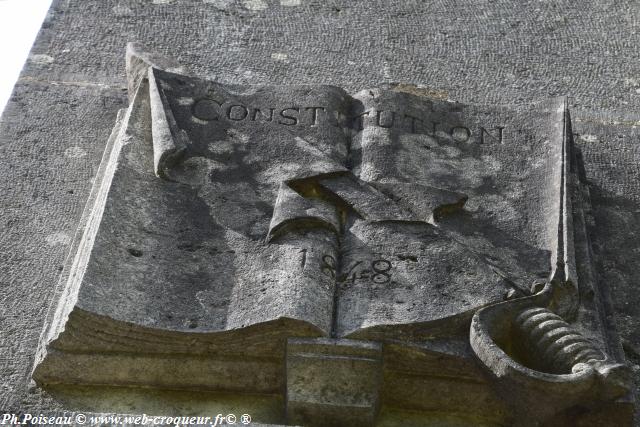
(379,120)
(460,133)
(497,137)
(314,114)
(358,120)
(291,120)
(413,122)
(255,111)
(243,115)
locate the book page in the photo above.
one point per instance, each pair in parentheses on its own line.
(211,241)
(480,189)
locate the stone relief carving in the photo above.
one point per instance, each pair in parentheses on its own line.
(268,236)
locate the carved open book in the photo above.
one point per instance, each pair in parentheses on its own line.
(230,223)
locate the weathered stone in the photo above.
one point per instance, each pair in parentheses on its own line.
(229,220)
(58,121)
(333,382)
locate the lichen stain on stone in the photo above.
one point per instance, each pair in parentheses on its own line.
(75,152)
(121,10)
(420,91)
(41,59)
(221,4)
(279,56)
(56,239)
(255,4)
(185,101)
(199,121)
(589,138)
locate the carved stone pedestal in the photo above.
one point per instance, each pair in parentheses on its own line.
(333,382)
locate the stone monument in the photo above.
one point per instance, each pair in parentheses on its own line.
(320,254)
(263,238)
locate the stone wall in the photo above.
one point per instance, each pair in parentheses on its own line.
(58,120)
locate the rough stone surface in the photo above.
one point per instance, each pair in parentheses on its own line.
(59,118)
(226,220)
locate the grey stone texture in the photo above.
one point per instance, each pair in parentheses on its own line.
(226,220)
(57,124)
